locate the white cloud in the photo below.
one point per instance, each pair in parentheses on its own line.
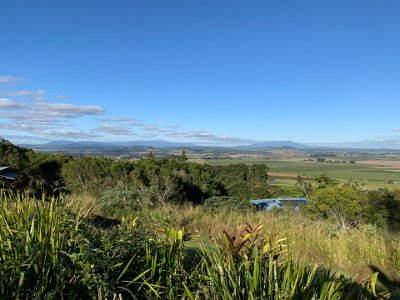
(46,112)
(396,129)
(126,121)
(26,138)
(41,129)
(37,95)
(10,79)
(32,117)
(69,133)
(64,110)
(42,118)
(208,136)
(151,127)
(115,129)
(9,104)
(54,120)
(32,128)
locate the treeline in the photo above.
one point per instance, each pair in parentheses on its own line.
(146,181)
(349,206)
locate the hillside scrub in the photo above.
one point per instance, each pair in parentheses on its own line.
(151,182)
(48,252)
(354,251)
(97,218)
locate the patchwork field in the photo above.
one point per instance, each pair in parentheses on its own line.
(382,163)
(371,173)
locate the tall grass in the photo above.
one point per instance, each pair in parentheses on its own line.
(33,239)
(50,251)
(352,252)
(245,270)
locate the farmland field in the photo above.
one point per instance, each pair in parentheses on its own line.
(374,174)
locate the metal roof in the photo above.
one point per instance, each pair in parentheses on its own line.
(268,204)
(7,174)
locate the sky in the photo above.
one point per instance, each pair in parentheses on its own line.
(210,72)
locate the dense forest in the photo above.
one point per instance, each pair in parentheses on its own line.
(94,228)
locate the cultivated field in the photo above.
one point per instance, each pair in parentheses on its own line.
(371,173)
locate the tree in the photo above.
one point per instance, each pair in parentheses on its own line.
(17,158)
(45,172)
(88,174)
(120,172)
(323,180)
(155,181)
(13,156)
(183,156)
(344,204)
(384,209)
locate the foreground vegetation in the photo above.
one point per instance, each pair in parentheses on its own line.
(169,228)
(49,252)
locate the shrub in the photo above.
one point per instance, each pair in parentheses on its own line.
(116,200)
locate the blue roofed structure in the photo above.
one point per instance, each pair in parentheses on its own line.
(7,174)
(268,204)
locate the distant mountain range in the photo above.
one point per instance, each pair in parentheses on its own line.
(61,145)
(65,144)
(393,144)
(277,144)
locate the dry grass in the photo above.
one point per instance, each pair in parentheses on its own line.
(382,163)
(352,252)
(289,175)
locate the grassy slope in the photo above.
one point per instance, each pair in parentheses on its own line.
(46,242)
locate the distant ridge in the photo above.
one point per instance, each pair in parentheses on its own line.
(65,144)
(389,144)
(60,145)
(277,144)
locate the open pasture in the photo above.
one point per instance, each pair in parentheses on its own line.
(375,174)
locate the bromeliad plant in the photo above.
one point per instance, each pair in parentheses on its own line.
(242,268)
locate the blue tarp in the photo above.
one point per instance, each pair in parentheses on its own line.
(268,204)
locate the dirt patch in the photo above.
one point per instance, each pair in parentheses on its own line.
(290,175)
(381,163)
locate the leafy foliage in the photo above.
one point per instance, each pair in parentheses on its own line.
(344,203)
(48,253)
(87,174)
(244,269)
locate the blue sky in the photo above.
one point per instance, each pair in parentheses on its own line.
(211,72)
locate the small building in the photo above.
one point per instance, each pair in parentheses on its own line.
(268,204)
(7,174)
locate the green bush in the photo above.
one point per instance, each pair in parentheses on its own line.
(112,202)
